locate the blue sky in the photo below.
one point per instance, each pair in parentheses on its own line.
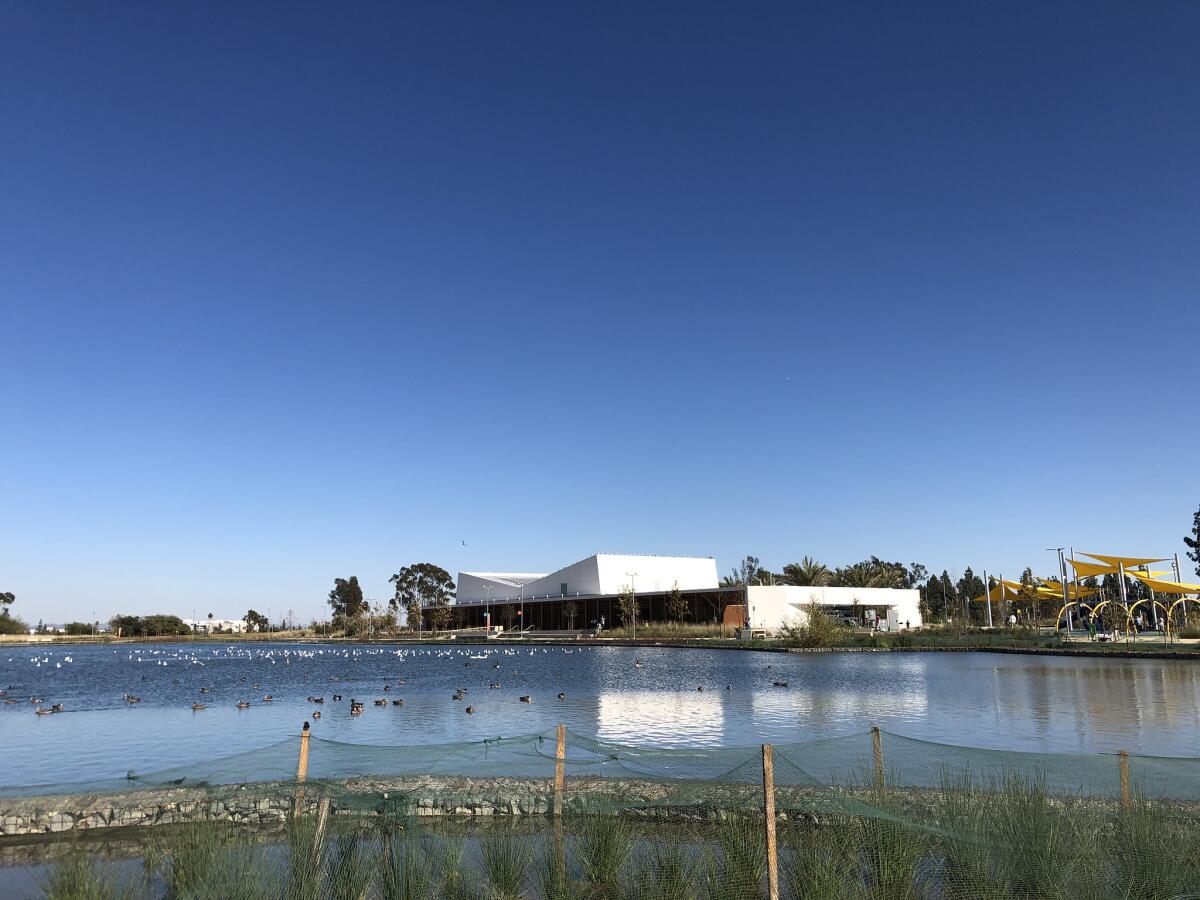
(296,292)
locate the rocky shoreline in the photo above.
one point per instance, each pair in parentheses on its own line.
(268,805)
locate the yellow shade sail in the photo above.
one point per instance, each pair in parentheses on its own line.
(996,592)
(1087,569)
(1165,587)
(1073,593)
(1127,561)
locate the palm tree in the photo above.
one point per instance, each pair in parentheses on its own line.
(868,575)
(807,573)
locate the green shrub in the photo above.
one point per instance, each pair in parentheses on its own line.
(817,631)
(10,624)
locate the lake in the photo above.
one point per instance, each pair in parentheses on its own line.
(1002,701)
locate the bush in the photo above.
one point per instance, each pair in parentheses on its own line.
(817,631)
(12,625)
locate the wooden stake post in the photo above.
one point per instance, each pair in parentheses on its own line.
(301,772)
(302,768)
(1123,757)
(560,754)
(877,748)
(768,759)
(560,845)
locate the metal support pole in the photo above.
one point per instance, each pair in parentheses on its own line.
(987,594)
(768,763)
(1124,598)
(1179,580)
(1153,612)
(1062,573)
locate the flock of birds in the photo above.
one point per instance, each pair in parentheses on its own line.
(195,657)
(201,657)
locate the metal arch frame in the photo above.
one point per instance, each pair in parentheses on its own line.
(1063,609)
(1182,599)
(1099,606)
(1129,612)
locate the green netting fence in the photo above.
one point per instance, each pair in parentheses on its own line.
(561,814)
(677,776)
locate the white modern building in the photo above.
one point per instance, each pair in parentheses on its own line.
(771,607)
(604,574)
(211,626)
(584,596)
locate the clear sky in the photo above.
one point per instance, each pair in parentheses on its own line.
(305,291)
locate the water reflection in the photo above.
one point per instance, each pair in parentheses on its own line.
(658,718)
(1054,704)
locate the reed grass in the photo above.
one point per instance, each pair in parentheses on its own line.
(603,849)
(78,877)
(507,863)
(964,841)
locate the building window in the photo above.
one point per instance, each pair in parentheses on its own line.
(562,589)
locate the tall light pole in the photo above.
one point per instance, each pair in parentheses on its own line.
(487,610)
(1124,598)
(1062,574)
(1178,580)
(633,593)
(1153,614)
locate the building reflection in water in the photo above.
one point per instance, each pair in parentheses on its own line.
(662,718)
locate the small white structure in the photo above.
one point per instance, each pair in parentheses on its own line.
(771,607)
(211,626)
(603,574)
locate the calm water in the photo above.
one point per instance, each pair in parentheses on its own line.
(989,700)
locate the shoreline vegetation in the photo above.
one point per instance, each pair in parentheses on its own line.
(963,841)
(701,637)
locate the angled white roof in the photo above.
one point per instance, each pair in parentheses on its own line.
(513,579)
(599,574)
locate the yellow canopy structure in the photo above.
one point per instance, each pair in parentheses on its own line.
(997,592)
(1127,561)
(1074,593)
(1086,569)
(1164,587)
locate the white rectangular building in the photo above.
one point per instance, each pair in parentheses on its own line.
(771,607)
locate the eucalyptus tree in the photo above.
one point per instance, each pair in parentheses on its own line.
(423,586)
(346,601)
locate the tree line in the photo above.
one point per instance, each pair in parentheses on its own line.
(416,587)
(942,598)
(429,587)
